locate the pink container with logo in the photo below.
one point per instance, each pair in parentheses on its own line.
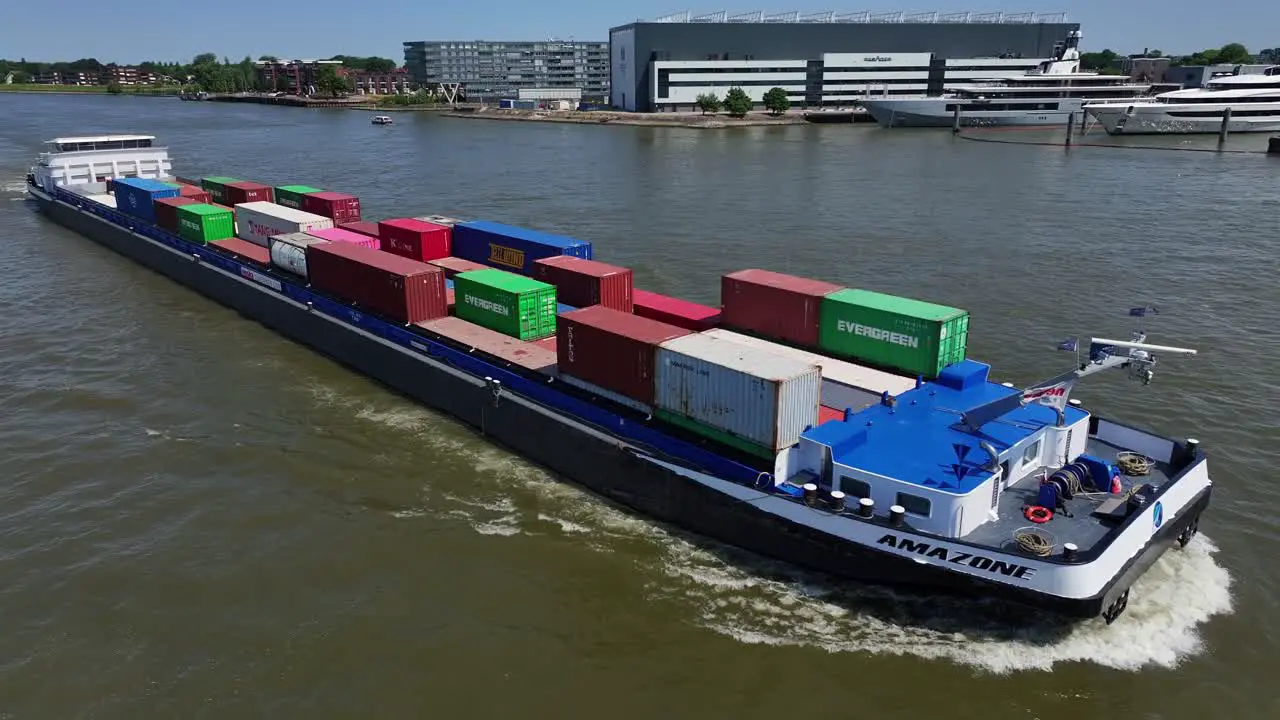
(344,236)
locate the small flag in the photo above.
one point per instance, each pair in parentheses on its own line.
(1070,345)
(1142,311)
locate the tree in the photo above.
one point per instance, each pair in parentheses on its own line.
(776,101)
(1099,61)
(1229,54)
(114,88)
(368,64)
(708,103)
(329,82)
(737,103)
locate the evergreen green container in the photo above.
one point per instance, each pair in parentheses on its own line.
(514,305)
(203,223)
(896,333)
(216,186)
(291,195)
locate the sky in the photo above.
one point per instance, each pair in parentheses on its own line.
(125,34)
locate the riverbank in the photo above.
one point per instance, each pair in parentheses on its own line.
(611,117)
(32,89)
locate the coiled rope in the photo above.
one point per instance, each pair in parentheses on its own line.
(1033,541)
(1133,464)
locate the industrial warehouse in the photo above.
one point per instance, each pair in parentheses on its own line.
(825,59)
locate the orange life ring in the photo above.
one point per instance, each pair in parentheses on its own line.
(1038,514)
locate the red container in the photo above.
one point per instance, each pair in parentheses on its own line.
(339,207)
(774,305)
(244,250)
(404,290)
(827,414)
(547,343)
(492,343)
(414,239)
(167,211)
(194,192)
(674,311)
(453,265)
(244,192)
(449,299)
(583,283)
(612,349)
(364,227)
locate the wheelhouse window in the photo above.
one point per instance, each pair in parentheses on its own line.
(104,145)
(1031,454)
(854,488)
(914,504)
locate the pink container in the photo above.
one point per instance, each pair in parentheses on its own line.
(345,236)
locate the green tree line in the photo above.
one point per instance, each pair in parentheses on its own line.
(204,72)
(1108,61)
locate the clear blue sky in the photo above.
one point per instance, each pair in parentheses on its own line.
(131,33)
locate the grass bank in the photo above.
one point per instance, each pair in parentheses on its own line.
(86,90)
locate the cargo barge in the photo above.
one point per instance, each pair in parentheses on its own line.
(754,424)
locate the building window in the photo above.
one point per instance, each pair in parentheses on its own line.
(854,488)
(1031,454)
(914,504)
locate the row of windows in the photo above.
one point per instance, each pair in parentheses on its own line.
(951,107)
(1218,113)
(857,489)
(105,145)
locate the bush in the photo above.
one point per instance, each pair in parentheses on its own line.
(737,103)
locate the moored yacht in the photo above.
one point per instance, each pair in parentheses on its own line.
(1254,100)
(1046,95)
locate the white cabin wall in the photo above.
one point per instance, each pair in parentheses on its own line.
(949,514)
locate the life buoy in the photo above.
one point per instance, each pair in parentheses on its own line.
(1038,513)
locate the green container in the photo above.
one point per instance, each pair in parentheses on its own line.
(291,195)
(715,434)
(203,223)
(511,304)
(217,187)
(892,332)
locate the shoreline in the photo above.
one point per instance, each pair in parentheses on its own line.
(607,117)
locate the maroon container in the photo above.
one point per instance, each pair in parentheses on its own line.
(194,192)
(773,305)
(674,311)
(244,250)
(167,211)
(454,265)
(339,207)
(449,299)
(612,349)
(364,227)
(583,283)
(548,343)
(244,192)
(404,290)
(470,336)
(414,239)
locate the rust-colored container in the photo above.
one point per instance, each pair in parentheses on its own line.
(244,250)
(583,283)
(339,207)
(166,210)
(194,192)
(773,305)
(547,343)
(364,227)
(454,265)
(674,311)
(612,349)
(414,239)
(470,336)
(247,192)
(404,290)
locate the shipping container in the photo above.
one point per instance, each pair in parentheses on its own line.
(258,221)
(244,250)
(166,211)
(346,236)
(511,304)
(338,207)
(205,223)
(612,349)
(137,196)
(468,335)
(444,220)
(561,308)
(583,283)
(827,414)
(756,396)
(217,188)
(912,336)
(844,384)
(548,343)
(454,265)
(450,299)
(289,252)
(512,248)
(774,305)
(194,192)
(103,199)
(414,239)
(673,311)
(290,196)
(404,290)
(364,227)
(239,193)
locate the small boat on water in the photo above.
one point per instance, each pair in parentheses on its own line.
(381,119)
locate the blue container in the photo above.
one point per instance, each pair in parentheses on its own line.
(514,249)
(137,196)
(448,284)
(561,308)
(506,104)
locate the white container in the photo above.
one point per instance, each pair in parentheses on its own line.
(759,396)
(289,251)
(844,384)
(443,220)
(258,221)
(108,200)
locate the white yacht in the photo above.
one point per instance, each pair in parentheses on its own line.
(1046,95)
(1254,100)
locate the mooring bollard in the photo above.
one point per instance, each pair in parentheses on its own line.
(1071,126)
(1222,130)
(955,120)
(1273,145)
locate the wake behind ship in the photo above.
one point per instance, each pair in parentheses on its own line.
(840,429)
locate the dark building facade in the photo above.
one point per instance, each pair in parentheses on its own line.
(660,65)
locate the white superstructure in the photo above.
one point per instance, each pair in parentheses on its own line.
(1254,100)
(95,159)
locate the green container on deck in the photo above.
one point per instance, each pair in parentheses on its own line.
(291,195)
(217,187)
(892,332)
(511,304)
(715,434)
(203,223)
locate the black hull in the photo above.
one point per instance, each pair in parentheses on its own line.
(598,462)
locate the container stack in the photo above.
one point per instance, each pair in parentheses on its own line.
(512,248)
(290,196)
(496,345)
(289,251)
(244,191)
(774,305)
(364,227)
(912,336)
(217,188)
(258,221)
(414,239)
(137,196)
(347,236)
(611,353)
(513,305)
(404,290)
(205,223)
(244,250)
(674,311)
(583,283)
(338,207)
(166,211)
(453,265)
(193,192)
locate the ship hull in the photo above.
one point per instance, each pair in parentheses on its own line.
(939,112)
(1157,120)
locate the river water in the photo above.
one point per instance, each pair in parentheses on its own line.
(202,519)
